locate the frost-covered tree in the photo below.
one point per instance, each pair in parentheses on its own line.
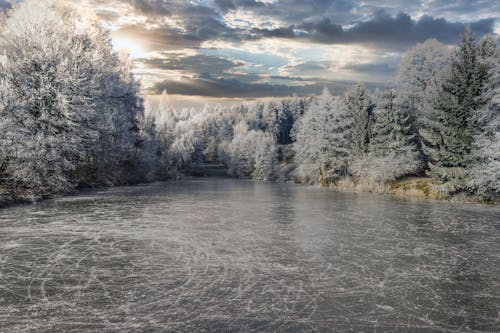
(119,112)
(266,159)
(450,127)
(359,106)
(484,174)
(159,126)
(240,152)
(217,127)
(321,147)
(392,153)
(422,70)
(66,99)
(44,101)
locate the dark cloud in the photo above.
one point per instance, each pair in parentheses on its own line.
(313,66)
(197,24)
(206,85)
(227,5)
(310,69)
(383,30)
(151,7)
(161,38)
(383,69)
(198,63)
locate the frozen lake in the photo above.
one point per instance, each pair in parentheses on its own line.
(222,255)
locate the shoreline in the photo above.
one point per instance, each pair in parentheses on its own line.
(411,188)
(408,188)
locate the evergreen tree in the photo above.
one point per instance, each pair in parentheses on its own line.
(265,158)
(392,152)
(359,106)
(450,127)
(484,175)
(321,147)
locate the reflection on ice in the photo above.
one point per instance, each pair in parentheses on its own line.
(228,255)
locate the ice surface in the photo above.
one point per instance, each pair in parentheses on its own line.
(241,256)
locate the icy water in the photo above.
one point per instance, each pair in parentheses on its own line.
(221,255)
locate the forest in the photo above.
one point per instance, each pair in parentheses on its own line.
(72,115)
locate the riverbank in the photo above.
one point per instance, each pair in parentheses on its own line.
(10,199)
(411,187)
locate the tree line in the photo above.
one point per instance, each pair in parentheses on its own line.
(439,119)
(73,115)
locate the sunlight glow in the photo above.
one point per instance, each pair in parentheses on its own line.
(133,47)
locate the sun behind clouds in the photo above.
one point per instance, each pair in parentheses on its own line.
(134,48)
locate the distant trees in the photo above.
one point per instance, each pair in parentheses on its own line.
(176,139)
(259,146)
(266,158)
(241,152)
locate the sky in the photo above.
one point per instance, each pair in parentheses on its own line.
(205,50)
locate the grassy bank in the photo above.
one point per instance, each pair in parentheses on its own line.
(412,187)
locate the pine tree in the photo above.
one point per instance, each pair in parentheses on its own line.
(359,106)
(265,157)
(450,128)
(392,152)
(484,175)
(321,147)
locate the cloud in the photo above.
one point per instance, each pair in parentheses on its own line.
(151,7)
(372,69)
(175,24)
(206,85)
(227,5)
(158,38)
(395,32)
(255,48)
(198,63)
(309,69)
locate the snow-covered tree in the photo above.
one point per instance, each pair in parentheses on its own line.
(359,106)
(43,97)
(422,70)
(392,153)
(66,99)
(240,152)
(266,158)
(321,147)
(484,174)
(119,112)
(450,127)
